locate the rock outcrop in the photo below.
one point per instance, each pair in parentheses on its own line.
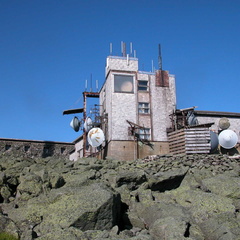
(161,197)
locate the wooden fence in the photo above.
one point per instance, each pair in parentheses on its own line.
(190,140)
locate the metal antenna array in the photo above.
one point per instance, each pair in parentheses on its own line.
(124,50)
(159,57)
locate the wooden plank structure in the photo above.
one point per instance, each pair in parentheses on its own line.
(190,140)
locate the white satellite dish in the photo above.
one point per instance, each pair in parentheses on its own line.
(228,139)
(224,123)
(75,124)
(88,124)
(95,137)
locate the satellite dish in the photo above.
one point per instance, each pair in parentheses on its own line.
(191,119)
(224,123)
(75,124)
(214,141)
(228,139)
(95,137)
(88,124)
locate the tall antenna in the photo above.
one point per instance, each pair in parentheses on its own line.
(91,83)
(131,48)
(110,49)
(97,85)
(159,57)
(124,49)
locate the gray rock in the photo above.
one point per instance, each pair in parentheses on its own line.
(224,185)
(7,225)
(165,181)
(161,197)
(130,178)
(170,228)
(31,185)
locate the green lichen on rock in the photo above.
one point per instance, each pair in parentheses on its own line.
(172,197)
(7,236)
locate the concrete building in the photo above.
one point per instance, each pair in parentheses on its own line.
(135,106)
(35,148)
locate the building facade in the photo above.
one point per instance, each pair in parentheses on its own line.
(135,106)
(35,148)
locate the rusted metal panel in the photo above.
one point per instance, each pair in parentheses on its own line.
(162,78)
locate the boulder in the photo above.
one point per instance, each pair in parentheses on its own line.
(7,225)
(170,228)
(224,226)
(164,181)
(31,185)
(224,185)
(130,178)
(161,197)
(202,205)
(88,207)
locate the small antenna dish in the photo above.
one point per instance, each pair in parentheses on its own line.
(88,124)
(96,137)
(75,124)
(191,119)
(214,141)
(224,123)
(228,139)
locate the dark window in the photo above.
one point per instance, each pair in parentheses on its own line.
(63,150)
(142,85)
(7,146)
(46,151)
(123,83)
(143,108)
(26,148)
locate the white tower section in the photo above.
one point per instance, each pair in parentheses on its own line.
(143,98)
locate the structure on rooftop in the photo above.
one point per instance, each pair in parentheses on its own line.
(138,116)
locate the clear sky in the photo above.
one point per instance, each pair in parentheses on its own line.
(48,48)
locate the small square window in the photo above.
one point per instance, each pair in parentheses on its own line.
(142,85)
(144,133)
(143,108)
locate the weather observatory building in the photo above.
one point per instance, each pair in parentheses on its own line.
(137,117)
(136,106)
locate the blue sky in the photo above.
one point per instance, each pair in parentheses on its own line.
(48,48)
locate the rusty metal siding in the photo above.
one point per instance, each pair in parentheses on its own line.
(162,78)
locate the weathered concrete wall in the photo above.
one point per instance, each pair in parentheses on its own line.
(121,63)
(156,149)
(129,150)
(31,148)
(162,105)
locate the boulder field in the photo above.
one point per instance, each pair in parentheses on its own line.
(162,197)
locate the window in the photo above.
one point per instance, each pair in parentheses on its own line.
(7,146)
(143,108)
(142,85)
(144,133)
(63,150)
(123,83)
(26,148)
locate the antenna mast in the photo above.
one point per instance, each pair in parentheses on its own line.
(159,57)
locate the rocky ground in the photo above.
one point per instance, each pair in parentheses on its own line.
(158,198)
